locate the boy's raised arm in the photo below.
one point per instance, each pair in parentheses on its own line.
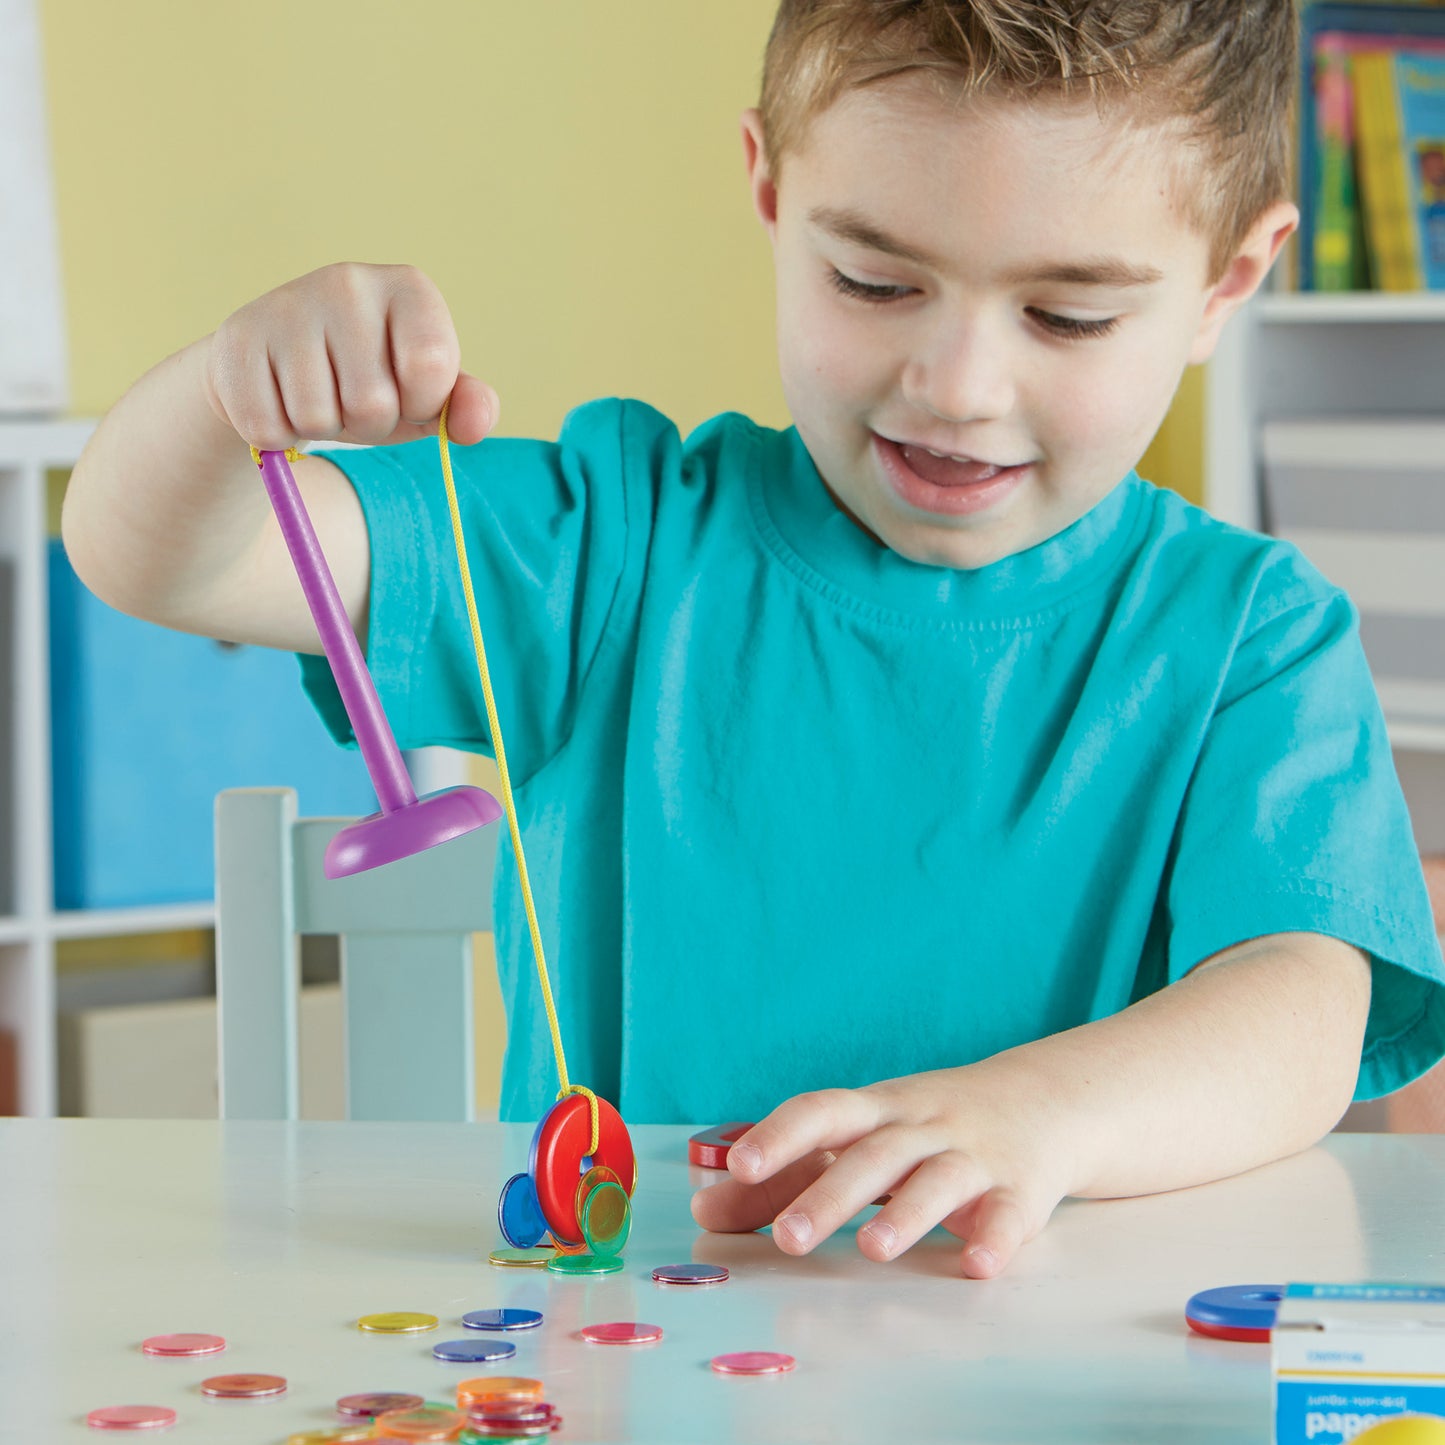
(1250,1057)
(165,516)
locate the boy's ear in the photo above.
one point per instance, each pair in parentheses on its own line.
(760,179)
(1245,273)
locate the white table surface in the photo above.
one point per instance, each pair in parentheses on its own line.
(279,1236)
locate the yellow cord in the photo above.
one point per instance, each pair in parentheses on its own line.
(492,722)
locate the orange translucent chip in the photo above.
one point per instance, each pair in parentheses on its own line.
(425,1422)
(498,1387)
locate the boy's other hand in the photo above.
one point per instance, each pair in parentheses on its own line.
(976,1149)
(352,353)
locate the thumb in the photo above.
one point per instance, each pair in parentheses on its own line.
(473,410)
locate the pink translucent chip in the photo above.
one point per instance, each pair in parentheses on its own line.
(184,1345)
(131,1417)
(753,1362)
(621,1332)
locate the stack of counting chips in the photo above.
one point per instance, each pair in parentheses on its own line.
(493,1419)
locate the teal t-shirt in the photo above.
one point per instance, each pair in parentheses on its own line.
(801,813)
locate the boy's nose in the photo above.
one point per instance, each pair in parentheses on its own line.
(960,376)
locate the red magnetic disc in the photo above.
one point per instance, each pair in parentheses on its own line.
(1229,1332)
(558,1149)
(709,1149)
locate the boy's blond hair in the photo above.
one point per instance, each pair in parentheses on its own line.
(1224,68)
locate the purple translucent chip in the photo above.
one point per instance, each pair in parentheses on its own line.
(474,1351)
(690,1273)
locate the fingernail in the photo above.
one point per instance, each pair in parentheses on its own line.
(884,1236)
(748,1156)
(983,1259)
(797,1227)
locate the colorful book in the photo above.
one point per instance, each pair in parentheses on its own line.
(1417,23)
(1338,256)
(1400,124)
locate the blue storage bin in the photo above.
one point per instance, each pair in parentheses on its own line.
(147,726)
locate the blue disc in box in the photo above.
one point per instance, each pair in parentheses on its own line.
(519,1213)
(474,1351)
(1235,1312)
(502,1319)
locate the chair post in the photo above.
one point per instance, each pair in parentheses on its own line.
(408,1001)
(257,968)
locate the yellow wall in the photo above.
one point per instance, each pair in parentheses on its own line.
(569,174)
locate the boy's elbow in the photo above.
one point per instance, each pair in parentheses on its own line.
(82,548)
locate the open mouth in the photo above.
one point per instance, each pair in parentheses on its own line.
(956,486)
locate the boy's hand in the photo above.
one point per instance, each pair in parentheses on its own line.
(351,352)
(978,1149)
(1251,1056)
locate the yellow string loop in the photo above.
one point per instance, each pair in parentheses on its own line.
(492,722)
(292,455)
(591,1110)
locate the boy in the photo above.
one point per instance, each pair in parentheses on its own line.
(1037,834)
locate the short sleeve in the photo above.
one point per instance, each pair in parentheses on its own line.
(1294,821)
(547,531)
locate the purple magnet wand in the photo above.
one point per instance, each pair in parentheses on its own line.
(406,824)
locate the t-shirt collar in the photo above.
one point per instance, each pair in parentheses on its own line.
(790,494)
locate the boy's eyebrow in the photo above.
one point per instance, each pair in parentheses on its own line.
(1111,271)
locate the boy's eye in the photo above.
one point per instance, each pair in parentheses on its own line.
(1073,327)
(863,291)
(1070,327)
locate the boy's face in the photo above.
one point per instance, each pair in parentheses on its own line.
(1038,330)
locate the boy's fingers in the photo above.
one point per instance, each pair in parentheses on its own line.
(729,1207)
(829,1119)
(308,389)
(874,1164)
(940,1186)
(1000,1225)
(425,355)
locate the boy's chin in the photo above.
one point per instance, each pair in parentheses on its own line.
(957,549)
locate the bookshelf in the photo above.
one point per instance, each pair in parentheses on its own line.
(1297,356)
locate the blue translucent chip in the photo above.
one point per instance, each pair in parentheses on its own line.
(474,1351)
(519,1213)
(502,1320)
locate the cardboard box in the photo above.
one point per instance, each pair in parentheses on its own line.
(158,1060)
(1347,1356)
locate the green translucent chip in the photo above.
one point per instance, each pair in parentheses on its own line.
(585,1264)
(606,1219)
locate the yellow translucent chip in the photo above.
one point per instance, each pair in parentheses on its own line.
(398,1322)
(343,1435)
(522,1258)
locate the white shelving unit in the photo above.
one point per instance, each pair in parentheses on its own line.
(1300,356)
(30,927)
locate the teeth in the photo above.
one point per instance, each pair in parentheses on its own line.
(945,456)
